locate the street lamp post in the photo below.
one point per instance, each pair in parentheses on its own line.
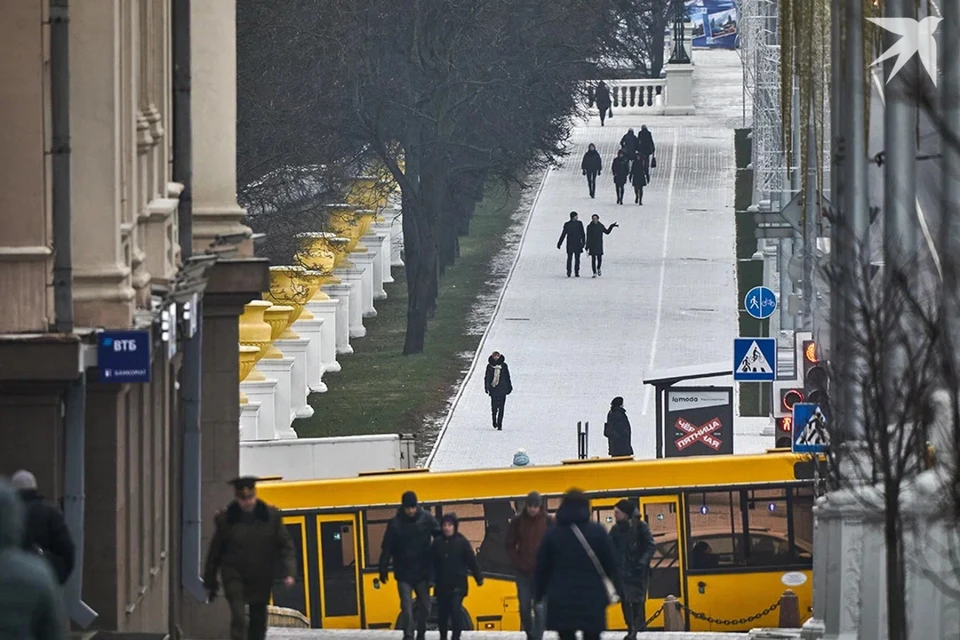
(679,55)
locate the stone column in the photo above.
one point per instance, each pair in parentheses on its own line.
(297,349)
(340,292)
(249,420)
(386,250)
(281,370)
(679,90)
(364,261)
(353,277)
(324,308)
(374,243)
(213,103)
(312,331)
(102,289)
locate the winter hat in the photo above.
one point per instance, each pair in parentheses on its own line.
(533,499)
(451,518)
(409,499)
(520,458)
(627,507)
(617,402)
(23,479)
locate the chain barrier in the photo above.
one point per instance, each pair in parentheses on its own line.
(656,615)
(738,622)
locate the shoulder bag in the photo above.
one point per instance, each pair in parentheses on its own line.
(612,596)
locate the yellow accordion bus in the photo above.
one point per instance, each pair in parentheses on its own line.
(732,533)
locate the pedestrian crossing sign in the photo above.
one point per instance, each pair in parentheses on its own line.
(809,429)
(754,359)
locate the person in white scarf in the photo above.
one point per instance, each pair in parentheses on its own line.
(498,386)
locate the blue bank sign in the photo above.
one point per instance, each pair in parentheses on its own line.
(123,356)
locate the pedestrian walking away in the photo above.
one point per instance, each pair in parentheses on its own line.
(617,430)
(595,233)
(630,145)
(576,571)
(638,178)
(621,171)
(453,558)
(498,385)
(591,166)
(645,149)
(576,237)
(30,602)
(45,529)
(524,535)
(249,541)
(601,96)
(407,542)
(633,548)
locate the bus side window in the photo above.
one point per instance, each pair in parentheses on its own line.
(768,519)
(716,530)
(484,524)
(375,526)
(801,509)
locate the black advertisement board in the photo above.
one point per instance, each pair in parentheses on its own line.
(699,421)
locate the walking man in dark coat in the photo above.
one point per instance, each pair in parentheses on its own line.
(638,178)
(248,542)
(634,548)
(45,531)
(453,558)
(407,542)
(630,145)
(576,237)
(645,149)
(576,596)
(591,166)
(617,430)
(621,171)
(595,233)
(524,535)
(602,98)
(497,384)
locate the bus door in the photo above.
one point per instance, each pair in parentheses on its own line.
(662,515)
(339,571)
(298,596)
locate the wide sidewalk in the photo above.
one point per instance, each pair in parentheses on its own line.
(667,297)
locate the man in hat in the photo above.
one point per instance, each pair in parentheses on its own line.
(633,548)
(407,542)
(524,534)
(247,544)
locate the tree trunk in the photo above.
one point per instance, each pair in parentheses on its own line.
(420,269)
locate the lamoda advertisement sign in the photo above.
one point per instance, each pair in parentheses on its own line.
(699,422)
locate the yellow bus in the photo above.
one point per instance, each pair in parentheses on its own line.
(732,533)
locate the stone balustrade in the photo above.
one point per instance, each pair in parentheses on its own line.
(672,95)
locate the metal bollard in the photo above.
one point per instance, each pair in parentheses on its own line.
(789,610)
(672,618)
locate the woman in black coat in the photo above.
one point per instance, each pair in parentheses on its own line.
(497,384)
(638,178)
(453,558)
(621,171)
(617,430)
(591,166)
(576,598)
(602,98)
(595,233)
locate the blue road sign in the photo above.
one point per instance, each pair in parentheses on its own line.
(754,359)
(123,356)
(760,302)
(809,429)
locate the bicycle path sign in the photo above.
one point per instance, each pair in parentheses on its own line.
(760,302)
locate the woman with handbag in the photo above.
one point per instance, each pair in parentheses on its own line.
(576,571)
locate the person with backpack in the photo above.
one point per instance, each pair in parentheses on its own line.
(453,558)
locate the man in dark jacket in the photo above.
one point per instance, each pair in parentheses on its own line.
(595,233)
(566,575)
(617,430)
(524,535)
(645,149)
(575,235)
(630,145)
(452,558)
(591,167)
(497,384)
(621,171)
(634,548)
(46,530)
(30,605)
(602,99)
(407,542)
(248,543)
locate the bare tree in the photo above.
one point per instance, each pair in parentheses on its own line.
(635,33)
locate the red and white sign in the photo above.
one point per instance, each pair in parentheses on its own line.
(706,434)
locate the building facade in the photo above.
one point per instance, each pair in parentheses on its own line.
(125,212)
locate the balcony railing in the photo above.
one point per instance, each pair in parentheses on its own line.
(643,95)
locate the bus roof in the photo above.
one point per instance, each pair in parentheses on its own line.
(593,476)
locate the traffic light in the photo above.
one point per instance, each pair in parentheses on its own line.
(815,378)
(784,432)
(788,398)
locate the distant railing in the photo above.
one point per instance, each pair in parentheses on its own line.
(643,95)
